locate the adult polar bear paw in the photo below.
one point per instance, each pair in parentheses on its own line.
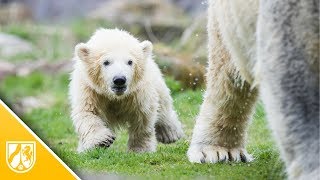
(214,154)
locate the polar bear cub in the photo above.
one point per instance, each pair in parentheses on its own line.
(115,83)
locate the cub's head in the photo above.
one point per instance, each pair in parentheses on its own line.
(113,61)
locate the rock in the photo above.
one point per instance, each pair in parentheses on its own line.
(26,68)
(181,67)
(44,10)
(191,76)
(27,104)
(135,11)
(192,7)
(6,69)
(60,11)
(14,12)
(160,20)
(11,45)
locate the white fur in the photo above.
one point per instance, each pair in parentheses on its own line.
(145,108)
(268,46)
(221,126)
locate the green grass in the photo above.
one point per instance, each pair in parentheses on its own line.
(54,126)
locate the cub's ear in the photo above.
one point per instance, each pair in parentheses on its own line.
(82,51)
(146,48)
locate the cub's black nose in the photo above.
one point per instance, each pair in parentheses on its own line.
(119,80)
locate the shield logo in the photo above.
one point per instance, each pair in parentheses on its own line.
(21,155)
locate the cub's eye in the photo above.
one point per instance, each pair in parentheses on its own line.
(130,62)
(106,63)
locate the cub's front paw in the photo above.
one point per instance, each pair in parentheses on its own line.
(168,134)
(99,138)
(214,154)
(107,142)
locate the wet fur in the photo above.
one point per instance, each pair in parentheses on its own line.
(271,47)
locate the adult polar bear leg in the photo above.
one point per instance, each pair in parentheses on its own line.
(168,127)
(220,130)
(288,50)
